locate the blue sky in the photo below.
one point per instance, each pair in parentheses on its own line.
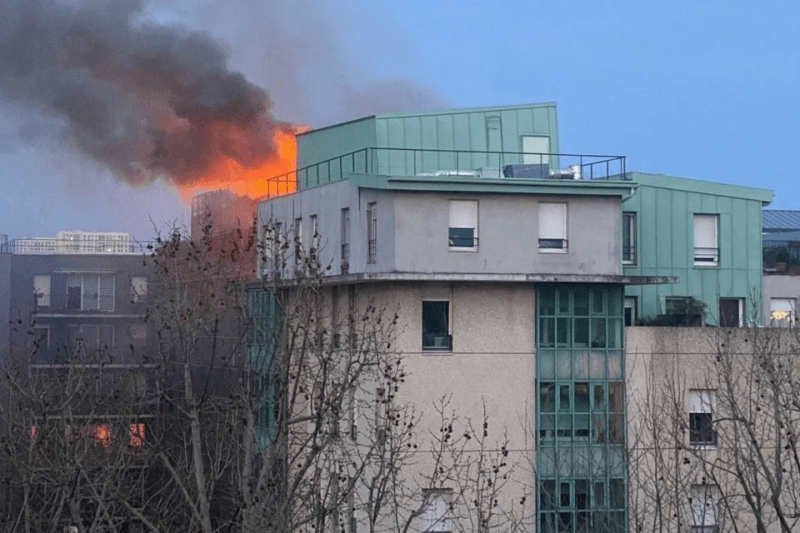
(706,90)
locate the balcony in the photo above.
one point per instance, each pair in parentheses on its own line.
(469,164)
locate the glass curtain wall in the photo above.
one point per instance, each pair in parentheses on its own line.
(580,419)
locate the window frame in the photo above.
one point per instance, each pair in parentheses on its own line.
(96,306)
(545,237)
(43,297)
(298,240)
(453,223)
(783,321)
(345,238)
(740,310)
(372,232)
(138,296)
(448,337)
(710,258)
(436,523)
(702,402)
(704,499)
(634,303)
(629,229)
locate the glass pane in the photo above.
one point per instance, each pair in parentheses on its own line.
(617,428)
(599,428)
(582,494)
(562,330)
(581,397)
(563,301)
(615,333)
(565,522)
(462,237)
(564,500)
(547,332)
(597,301)
(564,398)
(547,492)
(547,301)
(564,364)
(581,332)
(547,425)
(434,318)
(564,429)
(582,426)
(614,364)
(547,397)
(597,365)
(547,365)
(615,396)
(598,333)
(617,494)
(599,494)
(581,364)
(581,301)
(615,298)
(599,398)
(548,523)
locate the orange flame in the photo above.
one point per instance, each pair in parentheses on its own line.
(274,177)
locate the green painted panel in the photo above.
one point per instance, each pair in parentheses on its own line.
(709,203)
(327,143)
(663,235)
(525,121)
(649,249)
(682,236)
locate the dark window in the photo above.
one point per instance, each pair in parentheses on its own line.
(462,237)
(729,312)
(701,429)
(629,238)
(436,326)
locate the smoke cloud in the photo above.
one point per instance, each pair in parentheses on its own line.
(145,100)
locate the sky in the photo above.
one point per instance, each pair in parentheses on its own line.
(706,90)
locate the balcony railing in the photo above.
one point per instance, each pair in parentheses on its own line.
(477,164)
(46,246)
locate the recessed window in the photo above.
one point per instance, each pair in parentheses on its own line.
(372,232)
(435,515)
(552,227)
(436,326)
(731,312)
(298,240)
(138,289)
(629,238)
(781,312)
(41,289)
(630,310)
(706,240)
(90,292)
(701,418)
(463,227)
(704,500)
(345,240)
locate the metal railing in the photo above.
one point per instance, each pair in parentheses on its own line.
(478,164)
(47,246)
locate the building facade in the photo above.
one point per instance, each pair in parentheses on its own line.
(707,235)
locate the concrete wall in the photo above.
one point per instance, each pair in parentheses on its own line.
(412,234)
(508,227)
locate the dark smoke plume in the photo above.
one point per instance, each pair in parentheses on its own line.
(147,101)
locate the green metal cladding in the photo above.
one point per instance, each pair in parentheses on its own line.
(264,334)
(493,129)
(665,207)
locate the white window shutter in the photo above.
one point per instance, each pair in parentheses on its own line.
(701,401)
(705,232)
(90,292)
(41,288)
(436,516)
(553,221)
(463,213)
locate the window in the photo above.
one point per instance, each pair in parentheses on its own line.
(701,418)
(90,292)
(138,289)
(372,232)
(628,238)
(704,500)
(39,338)
(435,516)
(41,289)
(345,240)
(463,232)
(630,310)
(781,312)
(314,231)
(552,228)
(706,242)
(298,240)
(92,336)
(731,312)
(436,326)
(138,334)
(136,435)
(536,148)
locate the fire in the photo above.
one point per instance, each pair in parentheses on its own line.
(273,177)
